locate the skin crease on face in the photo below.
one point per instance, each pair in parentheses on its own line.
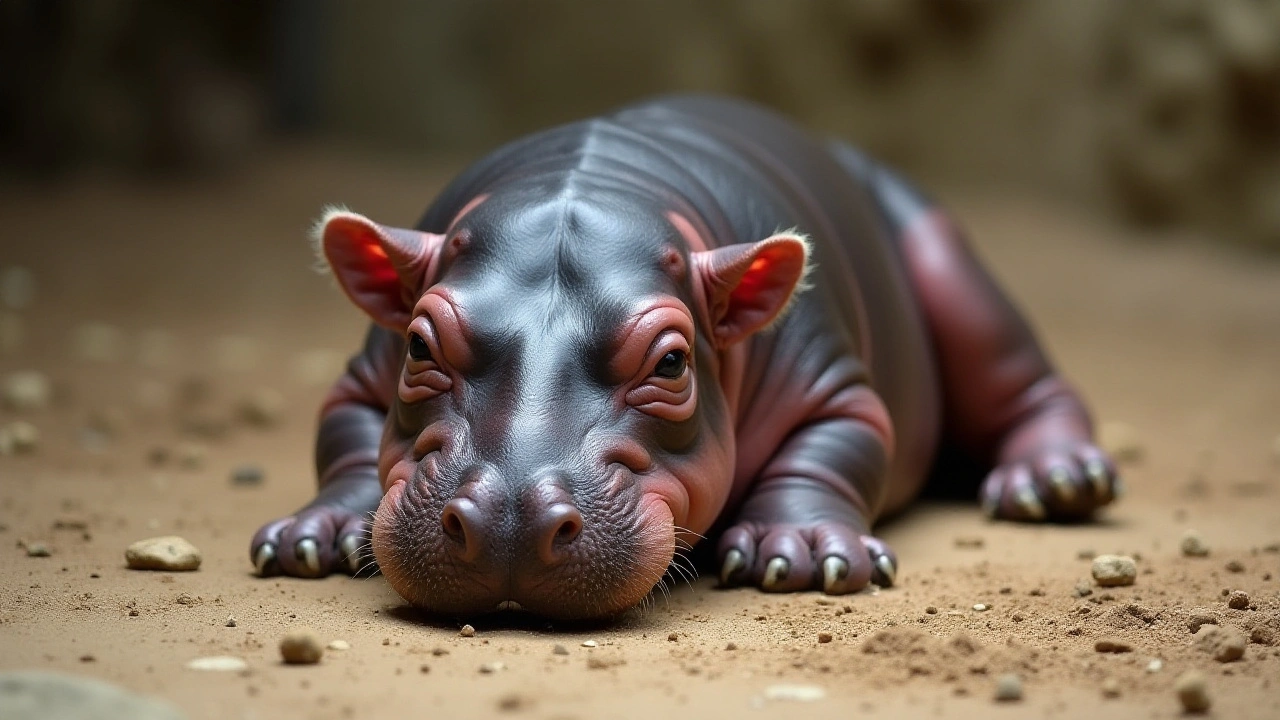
(603,405)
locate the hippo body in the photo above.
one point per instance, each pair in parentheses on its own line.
(610,340)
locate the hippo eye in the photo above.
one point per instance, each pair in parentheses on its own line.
(671,366)
(418,349)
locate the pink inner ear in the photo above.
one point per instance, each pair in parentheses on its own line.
(382,269)
(751,285)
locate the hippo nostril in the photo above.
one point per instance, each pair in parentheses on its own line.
(460,523)
(562,523)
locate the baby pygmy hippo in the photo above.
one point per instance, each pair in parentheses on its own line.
(685,319)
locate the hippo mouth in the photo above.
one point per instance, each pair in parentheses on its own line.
(616,556)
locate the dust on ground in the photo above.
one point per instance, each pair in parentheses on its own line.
(200,297)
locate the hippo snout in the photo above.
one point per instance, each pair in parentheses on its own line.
(498,541)
(484,537)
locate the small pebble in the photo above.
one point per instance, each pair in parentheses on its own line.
(1155,666)
(1193,691)
(1086,554)
(1193,545)
(467,631)
(231,622)
(824,637)
(1224,643)
(301,647)
(1111,688)
(931,610)
(37,549)
(970,542)
(492,667)
(26,391)
(794,693)
(247,476)
(19,438)
(263,408)
(1112,645)
(673,637)
(1083,589)
(590,643)
(218,663)
(981,607)
(338,645)
(170,552)
(1008,688)
(1238,600)
(1114,570)
(731,646)
(559,650)
(1235,566)
(1200,618)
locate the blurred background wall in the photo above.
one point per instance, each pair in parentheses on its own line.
(1167,111)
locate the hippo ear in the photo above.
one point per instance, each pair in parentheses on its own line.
(382,269)
(748,286)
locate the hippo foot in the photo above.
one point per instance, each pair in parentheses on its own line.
(1063,483)
(330,535)
(835,557)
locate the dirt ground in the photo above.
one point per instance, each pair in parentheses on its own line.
(210,293)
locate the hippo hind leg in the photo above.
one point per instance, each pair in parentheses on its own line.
(1004,405)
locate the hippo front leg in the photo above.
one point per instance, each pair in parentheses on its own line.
(806,523)
(332,532)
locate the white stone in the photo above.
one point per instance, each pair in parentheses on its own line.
(794,693)
(218,663)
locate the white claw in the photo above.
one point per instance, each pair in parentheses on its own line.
(775,572)
(734,561)
(350,547)
(1097,473)
(309,554)
(885,565)
(990,503)
(1030,504)
(265,555)
(1060,479)
(834,570)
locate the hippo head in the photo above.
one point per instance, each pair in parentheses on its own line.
(559,427)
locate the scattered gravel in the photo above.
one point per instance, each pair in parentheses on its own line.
(1193,545)
(1114,570)
(301,647)
(170,553)
(218,663)
(1193,691)
(1008,688)
(467,631)
(1225,643)
(26,391)
(1238,600)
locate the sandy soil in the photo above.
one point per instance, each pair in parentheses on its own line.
(1177,339)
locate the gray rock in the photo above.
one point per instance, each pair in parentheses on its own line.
(1224,642)
(32,695)
(1193,692)
(1193,545)
(1008,688)
(1114,570)
(163,553)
